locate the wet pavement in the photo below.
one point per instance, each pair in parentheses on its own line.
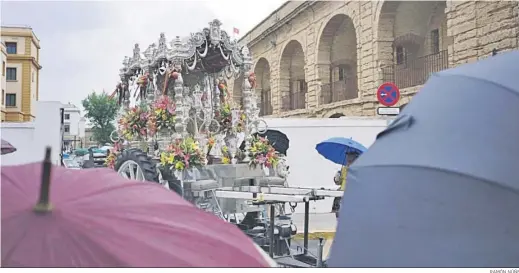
(319,222)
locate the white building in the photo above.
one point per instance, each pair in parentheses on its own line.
(74,126)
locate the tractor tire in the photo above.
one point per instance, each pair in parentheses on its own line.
(174,183)
(146,164)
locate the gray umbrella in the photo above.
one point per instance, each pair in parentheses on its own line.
(440,186)
(7,148)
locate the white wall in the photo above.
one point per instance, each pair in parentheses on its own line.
(73,122)
(31,138)
(81,127)
(307,167)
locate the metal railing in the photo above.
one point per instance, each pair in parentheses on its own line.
(293,101)
(417,71)
(338,91)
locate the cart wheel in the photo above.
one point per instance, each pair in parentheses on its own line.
(134,164)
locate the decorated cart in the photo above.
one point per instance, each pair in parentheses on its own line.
(179,127)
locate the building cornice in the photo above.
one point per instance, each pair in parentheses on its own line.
(279,22)
(18,57)
(19,32)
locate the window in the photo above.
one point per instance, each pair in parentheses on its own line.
(435,41)
(11,48)
(341,74)
(302,86)
(400,55)
(11,74)
(32,76)
(67,128)
(3,96)
(10,100)
(67,116)
(3,68)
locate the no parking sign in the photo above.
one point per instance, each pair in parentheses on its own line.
(388,94)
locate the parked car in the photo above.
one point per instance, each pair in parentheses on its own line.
(71,164)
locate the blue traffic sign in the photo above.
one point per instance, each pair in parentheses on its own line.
(388,94)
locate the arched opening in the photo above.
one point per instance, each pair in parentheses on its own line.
(237,93)
(412,41)
(337,115)
(292,82)
(262,72)
(337,60)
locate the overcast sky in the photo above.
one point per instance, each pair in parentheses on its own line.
(83,42)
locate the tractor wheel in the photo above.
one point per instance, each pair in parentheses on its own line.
(173,183)
(134,164)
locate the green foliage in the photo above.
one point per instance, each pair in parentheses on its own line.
(101,110)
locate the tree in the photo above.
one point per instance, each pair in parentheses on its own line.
(101,111)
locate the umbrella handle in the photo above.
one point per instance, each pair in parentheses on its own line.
(43,205)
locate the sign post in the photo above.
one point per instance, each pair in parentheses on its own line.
(388,95)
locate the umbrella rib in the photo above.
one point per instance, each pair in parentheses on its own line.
(492,183)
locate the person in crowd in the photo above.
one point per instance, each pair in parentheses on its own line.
(340,180)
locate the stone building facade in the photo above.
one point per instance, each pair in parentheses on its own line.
(327,58)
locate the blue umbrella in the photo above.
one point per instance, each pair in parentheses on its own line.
(440,187)
(335,149)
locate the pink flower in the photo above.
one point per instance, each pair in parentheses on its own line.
(186,160)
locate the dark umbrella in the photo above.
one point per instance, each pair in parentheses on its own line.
(7,148)
(440,187)
(277,139)
(99,219)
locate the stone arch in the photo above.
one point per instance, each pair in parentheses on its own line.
(411,40)
(237,92)
(292,82)
(337,60)
(262,72)
(337,115)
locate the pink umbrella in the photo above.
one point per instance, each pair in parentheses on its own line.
(7,148)
(99,219)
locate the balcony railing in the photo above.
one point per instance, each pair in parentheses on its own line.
(415,72)
(338,91)
(293,101)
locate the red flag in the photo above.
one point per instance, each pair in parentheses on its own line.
(236,31)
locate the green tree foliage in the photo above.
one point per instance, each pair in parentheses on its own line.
(101,111)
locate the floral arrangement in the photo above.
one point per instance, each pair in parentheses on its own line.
(227,157)
(162,115)
(224,114)
(224,117)
(210,143)
(182,154)
(112,157)
(134,122)
(262,153)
